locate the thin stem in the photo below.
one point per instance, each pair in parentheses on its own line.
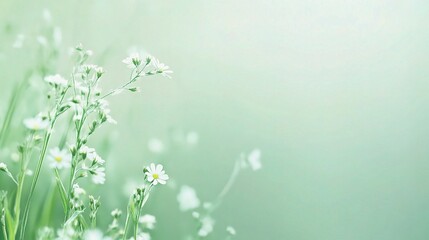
(127,225)
(227,186)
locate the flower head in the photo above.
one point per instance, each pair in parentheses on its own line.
(56,80)
(254,159)
(133,61)
(98,175)
(59,158)
(156,174)
(161,68)
(187,198)
(207,225)
(148,221)
(36,123)
(231,230)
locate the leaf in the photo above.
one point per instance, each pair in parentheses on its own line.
(62,190)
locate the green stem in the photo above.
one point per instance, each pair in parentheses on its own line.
(127,225)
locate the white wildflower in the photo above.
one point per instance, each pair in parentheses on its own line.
(143,236)
(207,225)
(156,174)
(42,40)
(56,80)
(161,67)
(254,159)
(133,61)
(19,41)
(36,123)
(155,145)
(77,190)
(192,138)
(231,230)
(3,167)
(195,214)
(57,36)
(59,158)
(148,221)
(187,198)
(94,234)
(98,175)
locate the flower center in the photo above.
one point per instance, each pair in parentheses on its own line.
(155,176)
(58,158)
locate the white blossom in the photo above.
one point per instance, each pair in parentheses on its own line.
(187,198)
(155,145)
(59,158)
(231,230)
(133,60)
(207,225)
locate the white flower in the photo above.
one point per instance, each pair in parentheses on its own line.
(3,167)
(161,67)
(155,145)
(94,234)
(148,221)
(99,176)
(156,174)
(56,80)
(59,158)
(37,123)
(187,198)
(231,230)
(254,159)
(142,236)
(134,60)
(207,224)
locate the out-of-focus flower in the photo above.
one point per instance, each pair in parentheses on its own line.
(187,198)
(94,234)
(155,145)
(207,225)
(161,67)
(254,159)
(143,236)
(99,175)
(133,60)
(36,123)
(59,158)
(231,230)
(148,221)
(156,174)
(192,138)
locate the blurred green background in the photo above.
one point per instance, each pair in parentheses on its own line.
(333,92)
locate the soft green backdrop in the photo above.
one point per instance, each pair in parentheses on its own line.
(334,93)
